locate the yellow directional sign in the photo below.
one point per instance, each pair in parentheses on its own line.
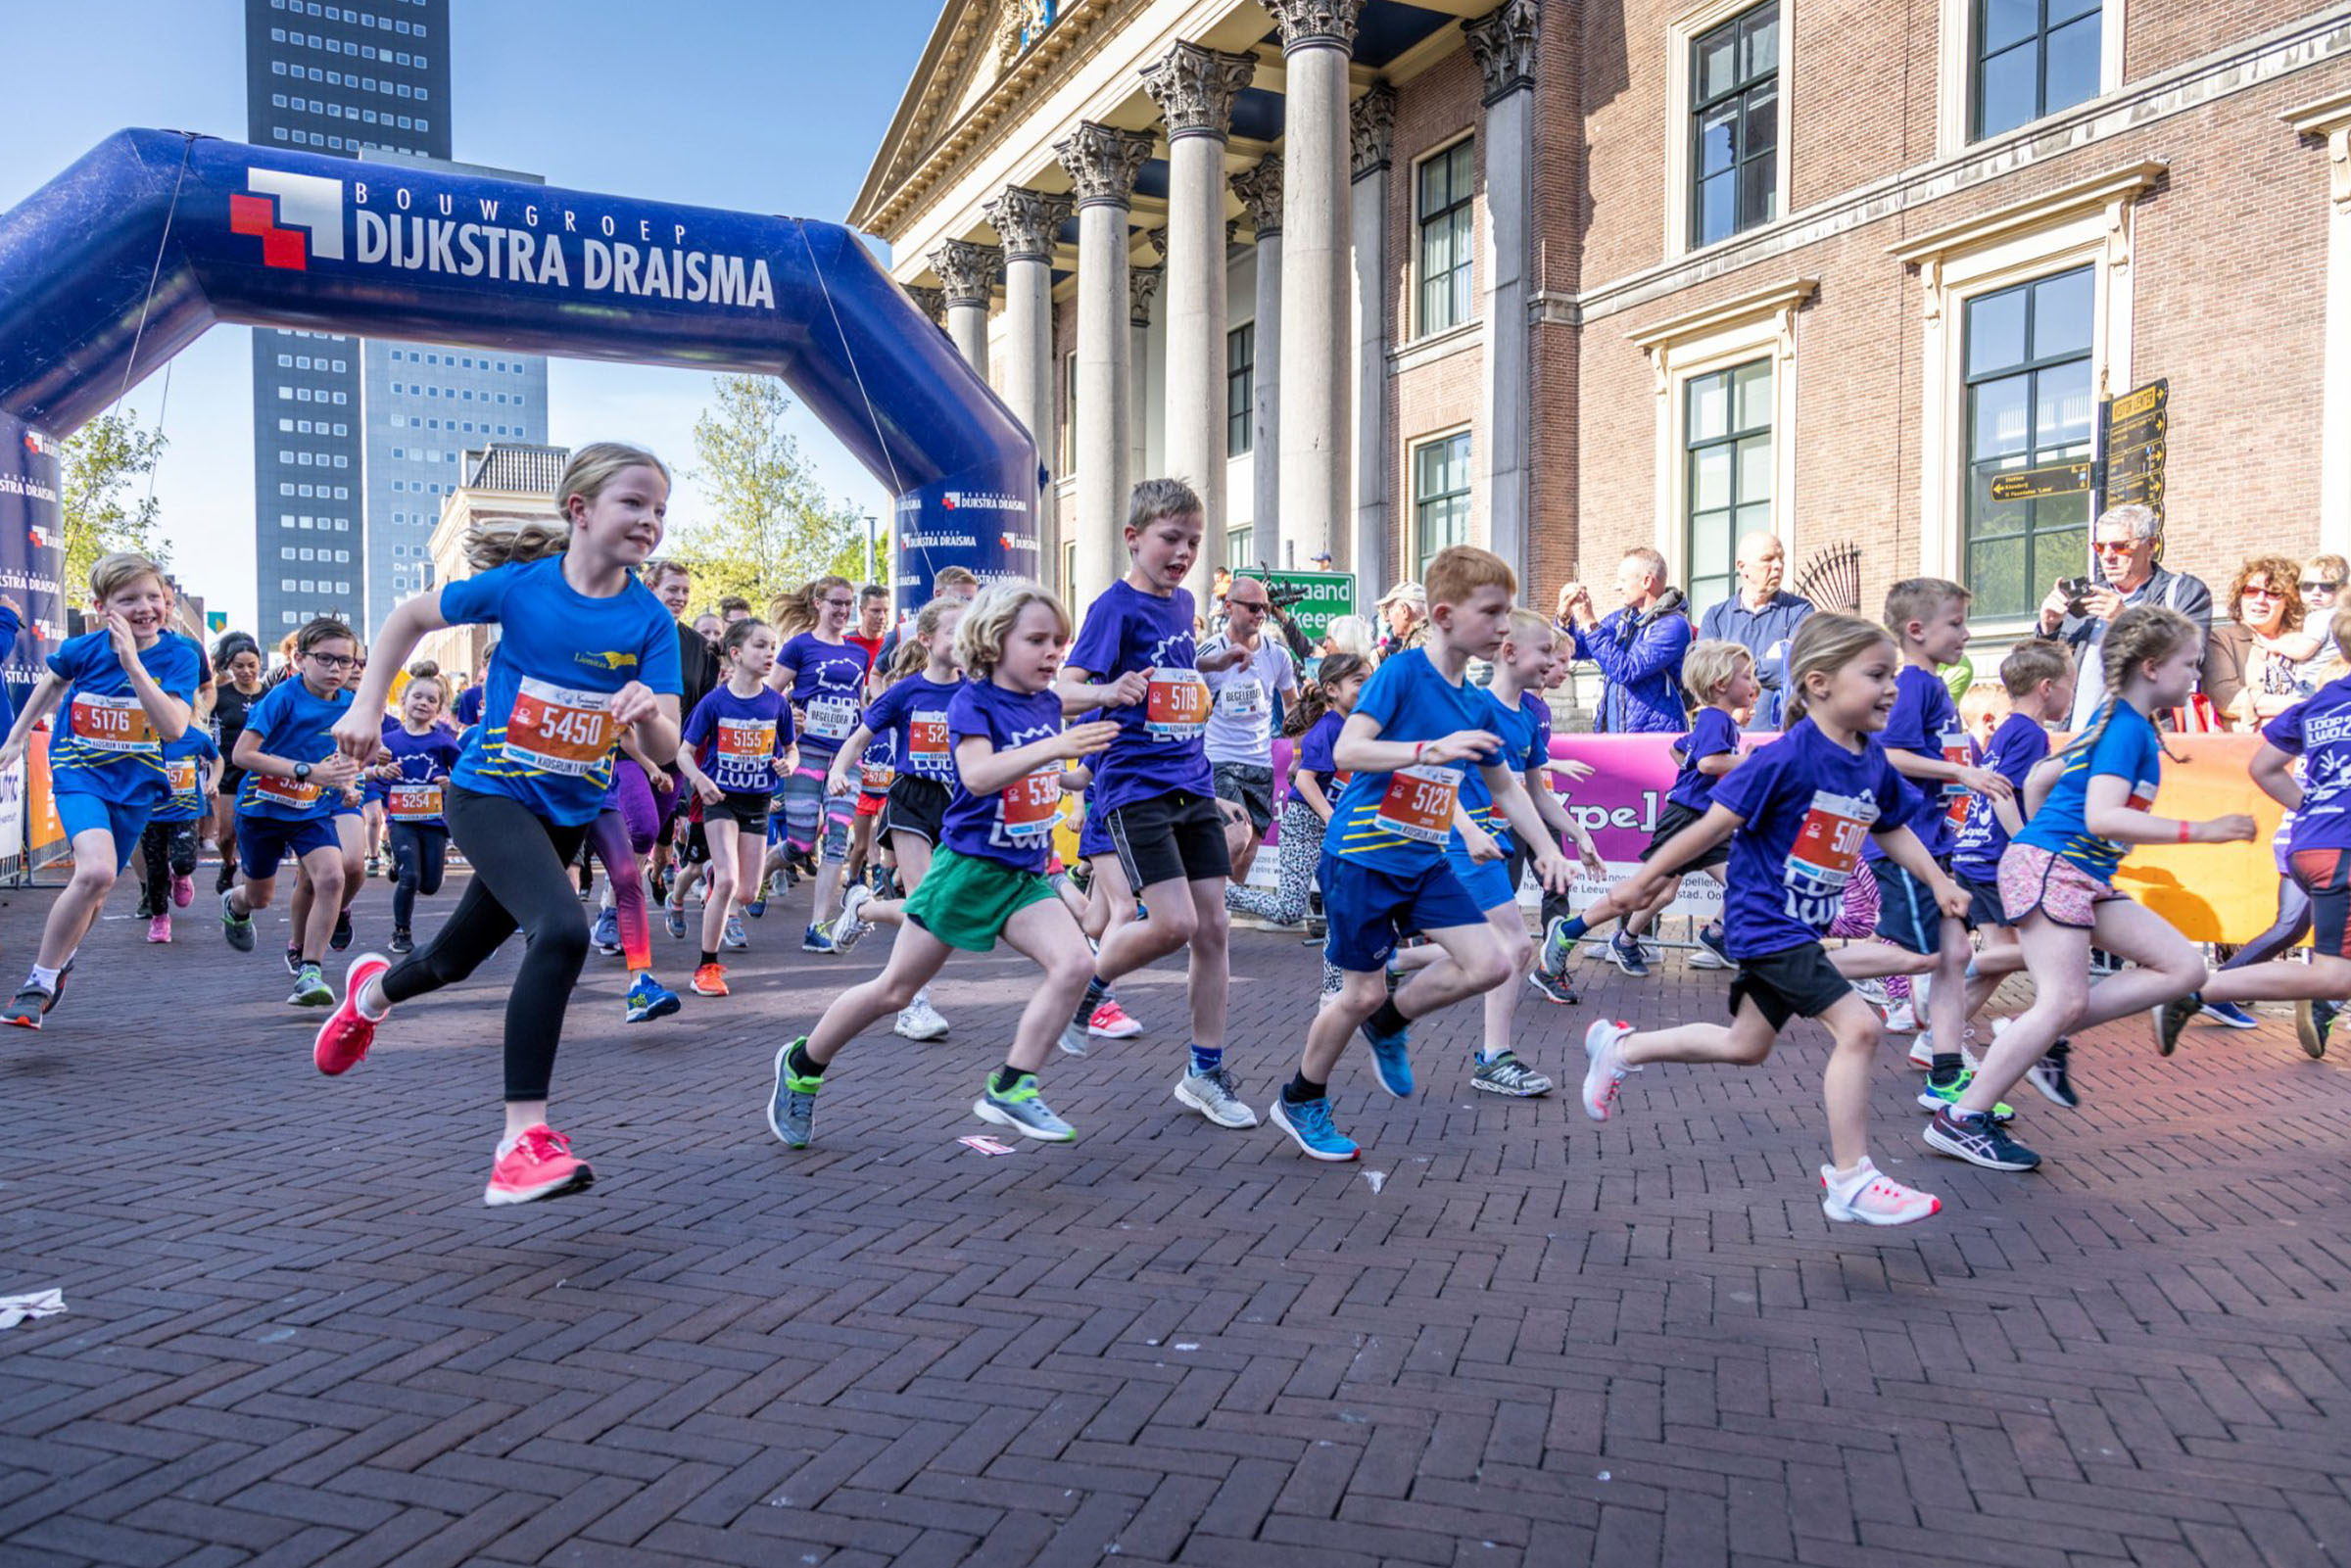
(2036,484)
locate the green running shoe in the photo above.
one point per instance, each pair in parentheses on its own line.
(1023,1110)
(1934,1098)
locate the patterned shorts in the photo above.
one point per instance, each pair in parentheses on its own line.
(2034,879)
(1858,916)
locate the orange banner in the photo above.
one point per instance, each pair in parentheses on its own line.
(2212,892)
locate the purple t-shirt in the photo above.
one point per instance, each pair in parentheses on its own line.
(425,760)
(1711,734)
(827,693)
(914,715)
(1161,743)
(1926,721)
(737,740)
(2318,730)
(1014,824)
(2017,746)
(1806,804)
(1314,751)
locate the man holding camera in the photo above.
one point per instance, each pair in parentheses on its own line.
(2124,540)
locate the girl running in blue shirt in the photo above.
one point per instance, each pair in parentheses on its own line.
(735,739)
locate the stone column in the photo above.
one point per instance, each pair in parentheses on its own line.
(1102,163)
(969,270)
(1029,223)
(1503,42)
(1193,88)
(1318,39)
(2329,121)
(933,303)
(1260,190)
(1373,124)
(1143,287)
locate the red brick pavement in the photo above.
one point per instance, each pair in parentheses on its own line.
(296,1336)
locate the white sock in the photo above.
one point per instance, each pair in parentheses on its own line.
(382,1009)
(45,978)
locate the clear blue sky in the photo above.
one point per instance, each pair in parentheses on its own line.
(771,106)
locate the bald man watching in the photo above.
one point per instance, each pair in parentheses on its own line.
(1761,618)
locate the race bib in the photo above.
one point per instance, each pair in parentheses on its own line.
(1032,804)
(1418,803)
(751,741)
(412,802)
(557,730)
(1821,860)
(831,718)
(926,738)
(1176,705)
(184,776)
(112,724)
(1241,699)
(285,792)
(876,778)
(1955,750)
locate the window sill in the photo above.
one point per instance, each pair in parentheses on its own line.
(1437,346)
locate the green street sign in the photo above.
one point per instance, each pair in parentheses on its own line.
(1328,595)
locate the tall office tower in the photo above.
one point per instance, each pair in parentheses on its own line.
(333,79)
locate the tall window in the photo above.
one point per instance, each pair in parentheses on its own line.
(1440,497)
(2029,403)
(1241,389)
(1727,420)
(1734,125)
(1240,547)
(1446,200)
(2033,58)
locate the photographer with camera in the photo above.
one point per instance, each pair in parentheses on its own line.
(2124,541)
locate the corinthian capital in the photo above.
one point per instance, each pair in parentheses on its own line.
(933,303)
(1194,87)
(1260,191)
(969,269)
(1503,42)
(1371,126)
(1103,161)
(1143,287)
(1314,21)
(1027,222)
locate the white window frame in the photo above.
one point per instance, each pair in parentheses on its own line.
(1415,322)
(1756,325)
(1473,532)
(2086,224)
(1955,74)
(1680,35)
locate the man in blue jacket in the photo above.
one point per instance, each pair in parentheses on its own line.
(1761,618)
(1637,647)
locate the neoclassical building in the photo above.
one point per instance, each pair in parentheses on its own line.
(1560,279)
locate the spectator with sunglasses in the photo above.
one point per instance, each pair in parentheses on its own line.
(2253,662)
(2322,580)
(2124,541)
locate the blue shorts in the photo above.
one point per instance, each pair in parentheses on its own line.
(1371,910)
(264,842)
(79,811)
(1907,915)
(1092,837)
(1488,882)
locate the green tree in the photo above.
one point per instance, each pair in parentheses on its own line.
(97,466)
(770,526)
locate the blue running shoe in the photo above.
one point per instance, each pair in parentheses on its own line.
(1310,1126)
(2230,1015)
(607,935)
(1628,956)
(648,999)
(674,916)
(1392,1060)
(1558,946)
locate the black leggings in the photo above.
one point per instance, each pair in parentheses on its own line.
(169,848)
(420,855)
(520,882)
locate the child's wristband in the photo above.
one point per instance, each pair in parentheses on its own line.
(2185,827)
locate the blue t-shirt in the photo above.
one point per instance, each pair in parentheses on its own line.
(2017,746)
(827,693)
(1518,730)
(1711,734)
(1925,721)
(1161,745)
(469,706)
(547,739)
(1314,751)
(1806,804)
(292,722)
(184,762)
(104,744)
(416,797)
(2127,749)
(913,714)
(740,740)
(2318,730)
(1400,822)
(1013,825)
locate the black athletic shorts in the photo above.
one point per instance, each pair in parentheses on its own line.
(1249,787)
(1177,837)
(917,806)
(1672,819)
(1796,982)
(748,809)
(1984,908)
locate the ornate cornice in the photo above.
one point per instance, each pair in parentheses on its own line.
(969,269)
(1260,191)
(1371,126)
(1503,42)
(1143,287)
(933,303)
(1027,222)
(1102,161)
(1193,88)
(1307,23)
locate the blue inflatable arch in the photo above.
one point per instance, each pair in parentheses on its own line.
(129,256)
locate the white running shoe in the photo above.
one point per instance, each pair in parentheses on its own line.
(1902,1018)
(1211,1094)
(919,1020)
(1869,1198)
(1603,1046)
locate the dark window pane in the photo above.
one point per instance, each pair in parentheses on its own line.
(2007,22)
(2009,89)
(2063,309)
(2073,69)
(1759,42)
(1717,139)
(1763,128)
(1995,332)
(1996,575)
(1718,208)
(1759,196)
(1989,518)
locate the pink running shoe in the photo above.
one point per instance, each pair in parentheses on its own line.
(1604,1050)
(158,929)
(1111,1022)
(183,890)
(1871,1198)
(347,1034)
(539,1165)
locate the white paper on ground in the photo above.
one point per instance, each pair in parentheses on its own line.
(14,1309)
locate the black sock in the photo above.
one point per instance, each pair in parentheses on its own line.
(1005,1078)
(1387,1021)
(1096,990)
(800,1065)
(709,957)
(1947,1067)
(1301,1089)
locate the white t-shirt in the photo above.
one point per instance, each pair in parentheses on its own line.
(1240,715)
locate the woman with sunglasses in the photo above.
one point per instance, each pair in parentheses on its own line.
(2322,580)
(2252,666)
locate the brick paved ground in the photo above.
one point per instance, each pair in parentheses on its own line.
(296,1336)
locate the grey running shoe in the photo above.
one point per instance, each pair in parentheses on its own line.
(1211,1094)
(1506,1075)
(1022,1108)
(1974,1137)
(310,989)
(732,935)
(238,928)
(1074,1040)
(851,924)
(791,1108)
